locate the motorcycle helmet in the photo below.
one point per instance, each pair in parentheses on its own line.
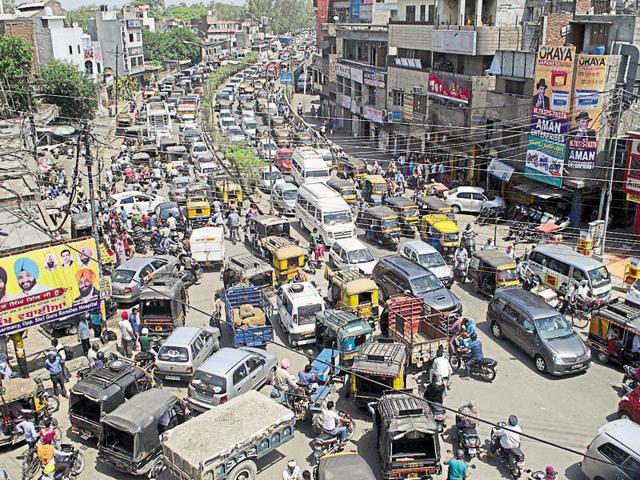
(95,347)
(100,356)
(513,420)
(145,331)
(550,473)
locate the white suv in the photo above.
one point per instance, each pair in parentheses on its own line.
(424,254)
(298,304)
(351,253)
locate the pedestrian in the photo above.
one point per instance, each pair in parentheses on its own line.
(509,251)
(133,320)
(53,365)
(28,429)
(292,472)
(126,335)
(313,239)
(84,332)
(458,469)
(145,341)
(96,323)
(319,254)
(61,350)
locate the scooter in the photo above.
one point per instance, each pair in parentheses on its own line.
(630,378)
(512,459)
(325,444)
(467,437)
(460,270)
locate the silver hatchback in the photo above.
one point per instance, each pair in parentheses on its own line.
(184,351)
(228,373)
(127,279)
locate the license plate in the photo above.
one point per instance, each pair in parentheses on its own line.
(472,451)
(576,367)
(171,377)
(158,329)
(413,475)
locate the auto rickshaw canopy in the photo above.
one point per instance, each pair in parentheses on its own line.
(381,358)
(359,286)
(495,259)
(291,251)
(440,222)
(17,388)
(376,180)
(343,465)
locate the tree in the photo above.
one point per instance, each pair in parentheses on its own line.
(247,163)
(170,46)
(15,67)
(74,92)
(184,13)
(127,87)
(228,11)
(283,15)
(80,16)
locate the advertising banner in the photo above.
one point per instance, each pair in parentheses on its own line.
(551,101)
(374,79)
(354,7)
(356,75)
(322,12)
(50,283)
(450,87)
(632,168)
(590,82)
(407,107)
(373,114)
(343,70)
(286,78)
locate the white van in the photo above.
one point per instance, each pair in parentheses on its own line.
(614,452)
(203,169)
(320,206)
(559,267)
(298,304)
(207,245)
(308,167)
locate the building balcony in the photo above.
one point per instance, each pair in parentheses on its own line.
(134,23)
(405,78)
(362,65)
(503,106)
(455,39)
(362,31)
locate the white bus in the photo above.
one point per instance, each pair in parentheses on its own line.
(319,206)
(307,166)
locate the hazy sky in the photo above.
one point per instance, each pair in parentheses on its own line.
(71,4)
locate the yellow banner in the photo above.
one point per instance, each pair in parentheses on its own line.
(633,198)
(47,284)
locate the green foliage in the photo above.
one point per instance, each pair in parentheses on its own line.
(73,91)
(81,16)
(9,6)
(284,15)
(15,66)
(227,11)
(127,87)
(184,13)
(246,162)
(169,46)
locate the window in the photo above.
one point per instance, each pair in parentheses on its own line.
(577,275)
(511,313)
(410,13)
(301,201)
(312,210)
(613,453)
(70,50)
(499,304)
(423,13)
(239,374)
(371,94)
(253,364)
(560,267)
(357,91)
(478,196)
(398,98)
(537,257)
(514,87)
(78,48)
(632,467)
(131,37)
(464,196)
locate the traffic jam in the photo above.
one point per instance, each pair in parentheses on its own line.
(260,303)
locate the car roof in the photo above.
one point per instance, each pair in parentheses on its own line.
(350,244)
(419,246)
(625,432)
(118,196)
(563,250)
(137,262)
(182,335)
(224,360)
(285,186)
(535,305)
(469,189)
(302,290)
(409,268)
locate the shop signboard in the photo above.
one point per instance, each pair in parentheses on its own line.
(356,75)
(394,116)
(374,79)
(286,78)
(632,168)
(49,283)
(586,121)
(449,86)
(407,107)
(322,12)
(343,70)
(551,102)
(373,114)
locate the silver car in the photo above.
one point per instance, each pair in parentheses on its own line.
(184,351)
(127,279)
(284,197)
(228,373)
(424,254)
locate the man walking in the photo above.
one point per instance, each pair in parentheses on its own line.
(126,335)
(53,364)
(84,332)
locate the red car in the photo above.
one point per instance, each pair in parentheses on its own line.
(629,406)
(283,159)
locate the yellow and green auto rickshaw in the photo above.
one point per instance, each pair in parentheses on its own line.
(491,269)
(229,193)
(345,188)
(198,210)
(288,259)
(373,189)
(351,167)
(383,361)
(407,214)
(353,291)
(381,225)
(442,233)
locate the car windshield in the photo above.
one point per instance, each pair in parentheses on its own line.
(431,260)
(191,131)
(553,327)
(390,223)
(317,173)
(307,313)
(123,276)
(250,125)
(275,174)
(345,191)
(599,276)
(209,382)
(290,194)
(360,256)
(337,218)
(228,121)
(235,131)
(173,354)
(425,284)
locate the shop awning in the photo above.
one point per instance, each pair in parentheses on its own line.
(539,191)
(500,170)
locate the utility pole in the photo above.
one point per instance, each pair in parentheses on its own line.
(269,139)
(94,217)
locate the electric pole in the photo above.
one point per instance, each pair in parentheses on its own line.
(92,199)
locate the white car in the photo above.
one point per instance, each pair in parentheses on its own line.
(198,149)
(264,149)
(424,254)
(247,113)
(250,127)
(298,304)
(633,294)
(352,253)
(471,199)
(140,201)
(225,113)
(227,123)
(265,178)
(235,134)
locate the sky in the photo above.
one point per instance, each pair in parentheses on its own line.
(71,4)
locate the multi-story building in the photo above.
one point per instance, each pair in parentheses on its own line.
(219,32)
(140,12)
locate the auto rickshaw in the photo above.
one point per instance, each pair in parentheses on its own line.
(383,361)
(354,292)
(343,465)
(288,259)
(381,225)
(263,226)
(248,269)
(350,167)
(20,395)
(373,188)
(345,188)
(282,137)
(492,269)
(198,210)
(141,159)
(344,332)
(81,225)
(176,153)
(428,204)
(124,120)
(278,122)
(229,193)
(441,233)
(407,214)
(612,330)
(163,305)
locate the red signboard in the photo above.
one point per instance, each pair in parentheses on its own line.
(450,87)
(632,169)
(322,12)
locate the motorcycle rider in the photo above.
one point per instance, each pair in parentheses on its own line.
(300,108)
(189,264)
(468,238)
(507,438)
(474,350)
(550,473)
(461,257)
(467,422)
(283,382)
(441,370)
(306,377)
(332,422)
(489,244)
(233,220)
(54,463)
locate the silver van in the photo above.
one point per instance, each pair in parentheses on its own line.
(617,444)
(229,373)
(185,350)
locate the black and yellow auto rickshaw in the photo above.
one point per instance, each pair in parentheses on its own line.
(21,396)
(612,330)
(250,270)
(374,187)
(381,225)
(198,210)
(353,291)
(428,204)
(350,167)
(407,214)
(383,361)
(491,269)
(228,192)
(442,233)
(263,226)
(343,465)
(288,259)
(345,188)
(163,304)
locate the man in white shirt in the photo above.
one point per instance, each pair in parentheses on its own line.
(441,370)
(332,423)
(126,335)
(508,439)
(292,472)
(171,222)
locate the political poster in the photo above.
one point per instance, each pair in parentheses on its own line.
(586,121)
(551,104)
(48,283)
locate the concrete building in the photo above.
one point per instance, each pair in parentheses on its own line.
(219,32)
(140,12)
(37,9)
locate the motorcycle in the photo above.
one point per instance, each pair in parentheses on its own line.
(325,444)
(469,241)
(467,437)
(630,378)
(512,459)
(460,270)
(440,416)
(486,369)
(31,463)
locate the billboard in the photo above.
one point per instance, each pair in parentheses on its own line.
(590,82)
(49,283)
(450,87)
(354,7)
(322,12)
(551,102)
(632,168)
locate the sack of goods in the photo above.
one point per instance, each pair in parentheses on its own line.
(248,316)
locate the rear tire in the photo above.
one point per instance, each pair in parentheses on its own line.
(622,415)
(78,466)
(602,357)
(53,404)
(488,374)
(271,376)
(246,470)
